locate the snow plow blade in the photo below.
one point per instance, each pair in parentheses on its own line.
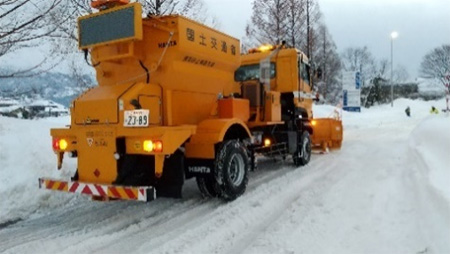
(327,133)
(105,191)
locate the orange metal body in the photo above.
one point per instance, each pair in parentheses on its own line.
(234,108)
(167,79)
(272,107)
(289,77)
(327,133)
(176,71)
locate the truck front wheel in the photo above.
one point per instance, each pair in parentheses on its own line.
(302,155)
(231,169)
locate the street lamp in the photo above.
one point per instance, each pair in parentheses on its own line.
(394,35)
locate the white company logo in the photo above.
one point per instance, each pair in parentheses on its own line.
(200,169)
(90,141)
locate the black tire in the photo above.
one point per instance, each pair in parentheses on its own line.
(231,169)
(208,186)
(303,154)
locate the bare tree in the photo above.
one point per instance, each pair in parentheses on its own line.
(23,23)
(194,9)
(383,69)
(299,23)
(327,59)
(313,17)
(401,74)
(273,21)
(359,59)
(269,22)
(436,64)
(296,23)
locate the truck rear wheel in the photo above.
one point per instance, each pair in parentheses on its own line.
(231,169)
(302,155)
(208,186)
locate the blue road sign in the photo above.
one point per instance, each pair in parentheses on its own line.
(345,97)
(358,80)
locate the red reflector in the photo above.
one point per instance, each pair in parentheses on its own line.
(158,146)
(55,144)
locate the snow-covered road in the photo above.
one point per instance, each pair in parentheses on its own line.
(386,191)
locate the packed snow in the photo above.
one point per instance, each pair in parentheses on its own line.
(386,191)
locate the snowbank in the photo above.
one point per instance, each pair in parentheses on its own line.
(430,148)
(25,155)
(382,114)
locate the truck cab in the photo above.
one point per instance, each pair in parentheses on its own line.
(289,76)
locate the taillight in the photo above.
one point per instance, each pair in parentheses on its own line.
(55,144)
(59,144)
(152,146)
(157,146)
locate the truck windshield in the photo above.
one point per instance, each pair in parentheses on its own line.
(251,72)
(304,71)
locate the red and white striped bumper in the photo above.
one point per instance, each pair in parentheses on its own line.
(140,193)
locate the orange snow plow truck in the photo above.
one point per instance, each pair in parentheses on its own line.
(176,100)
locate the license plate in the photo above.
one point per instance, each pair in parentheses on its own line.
(136,118)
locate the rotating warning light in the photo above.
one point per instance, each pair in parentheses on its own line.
(266,47)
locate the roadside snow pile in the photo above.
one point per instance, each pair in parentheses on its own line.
(381,115)
(326,111)
(25,155)
(430,147)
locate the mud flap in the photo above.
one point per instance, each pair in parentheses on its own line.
(171,182)
(199,168)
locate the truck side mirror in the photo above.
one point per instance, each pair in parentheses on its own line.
(319,73)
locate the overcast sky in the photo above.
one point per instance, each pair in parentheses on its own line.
(421,24)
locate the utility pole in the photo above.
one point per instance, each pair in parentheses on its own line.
(393,36)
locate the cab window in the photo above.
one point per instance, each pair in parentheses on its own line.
(251,72)
(304,72)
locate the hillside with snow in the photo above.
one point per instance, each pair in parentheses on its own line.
(386,191)
(56,86)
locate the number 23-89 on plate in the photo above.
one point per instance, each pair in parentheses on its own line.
(136,118)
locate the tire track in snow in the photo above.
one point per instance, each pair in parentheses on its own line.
(244,217)
(176,224)
(305,213)
(80,220)
(159,227)
(376,208)
(307,191)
